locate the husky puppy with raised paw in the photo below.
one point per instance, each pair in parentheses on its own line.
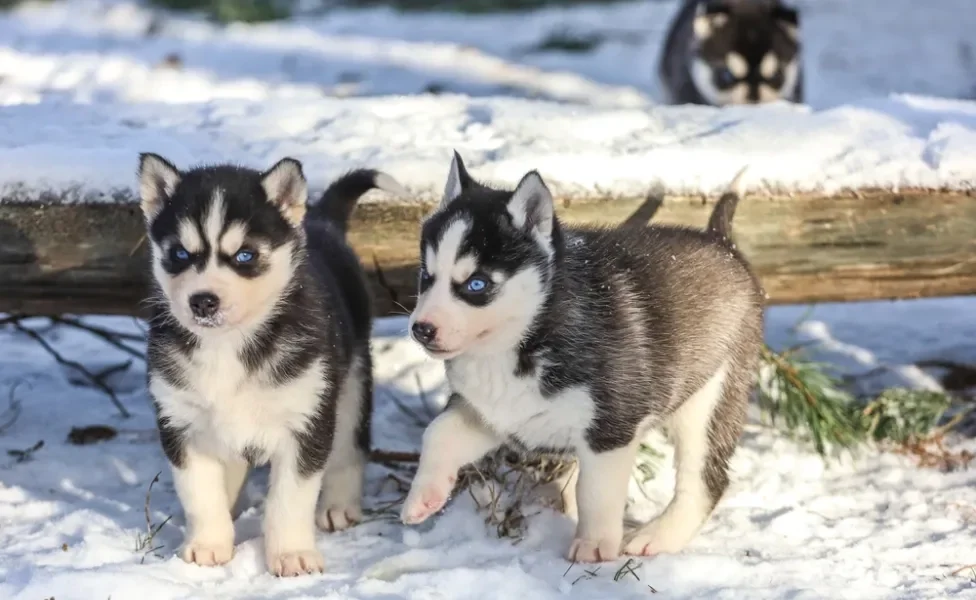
(259,351)
(721,52)
(577,341)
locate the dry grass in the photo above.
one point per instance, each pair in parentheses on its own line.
(505,483)
(144,542)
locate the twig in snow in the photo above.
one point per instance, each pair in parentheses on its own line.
(587,574)
(10,416)
(571,565)
(627,569)
(10,319)
(112,370)
(509,479)
(964,568)
(22,456)
(73,365)
(144,542)
(393,456)
(115,338)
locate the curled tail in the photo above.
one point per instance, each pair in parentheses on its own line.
(339,199)
(720,223)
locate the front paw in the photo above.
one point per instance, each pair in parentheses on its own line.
(293,564)
(427,496)
(593,551)
(337,518)
(654,540)
(208,553)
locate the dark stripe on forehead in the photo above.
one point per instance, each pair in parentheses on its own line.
(244,201)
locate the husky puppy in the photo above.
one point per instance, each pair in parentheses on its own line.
(259,350)
(578,340)
(721,52)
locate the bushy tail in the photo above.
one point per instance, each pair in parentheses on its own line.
(720,223)
(339,200)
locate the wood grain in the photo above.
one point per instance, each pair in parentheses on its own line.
(92,258)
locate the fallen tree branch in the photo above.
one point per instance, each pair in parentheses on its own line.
(115,338)
(393,456)
(80,368)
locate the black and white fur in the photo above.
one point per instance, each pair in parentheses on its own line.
(572,340)
(721,52)
(259,351)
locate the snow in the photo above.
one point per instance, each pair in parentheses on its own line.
(85,85)
(791,525)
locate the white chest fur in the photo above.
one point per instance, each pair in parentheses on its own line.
(225,410)
(514,406)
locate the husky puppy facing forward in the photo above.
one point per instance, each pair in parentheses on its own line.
(721,52)
(259,351)
(572,340)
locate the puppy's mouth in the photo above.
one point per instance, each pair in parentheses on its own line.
(210,322)
(444,355)
(440,353)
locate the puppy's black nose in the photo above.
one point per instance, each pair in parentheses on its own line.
(204,304)
(424,332)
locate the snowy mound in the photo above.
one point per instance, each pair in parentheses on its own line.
(85,85)
(89,152)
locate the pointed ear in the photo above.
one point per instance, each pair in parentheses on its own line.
(789,19)
(709,16)
(287,189)
(531,205)
(158,179)
(786,15)
(458,180)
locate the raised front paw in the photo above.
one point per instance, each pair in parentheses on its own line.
(295,563)
(592,551)
(208,553)
(427,496)
(337,518)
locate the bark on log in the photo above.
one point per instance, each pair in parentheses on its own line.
(92,258)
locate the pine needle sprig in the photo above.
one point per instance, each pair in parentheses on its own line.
(902,415)
(803,397)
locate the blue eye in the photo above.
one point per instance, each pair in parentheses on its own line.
(476,285)
(244,256)
(724,77)
(180,254)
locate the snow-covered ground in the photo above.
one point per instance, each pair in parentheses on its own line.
(85,85)
(790,527)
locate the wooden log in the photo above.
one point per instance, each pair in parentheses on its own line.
(92,258)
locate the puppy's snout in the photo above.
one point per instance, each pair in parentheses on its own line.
(424,332)
(204,304)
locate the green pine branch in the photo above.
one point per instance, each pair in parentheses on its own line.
(806,400)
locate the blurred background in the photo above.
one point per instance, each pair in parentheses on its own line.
(580,51)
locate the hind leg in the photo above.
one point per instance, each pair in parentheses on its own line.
(345,472)
(705,430)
